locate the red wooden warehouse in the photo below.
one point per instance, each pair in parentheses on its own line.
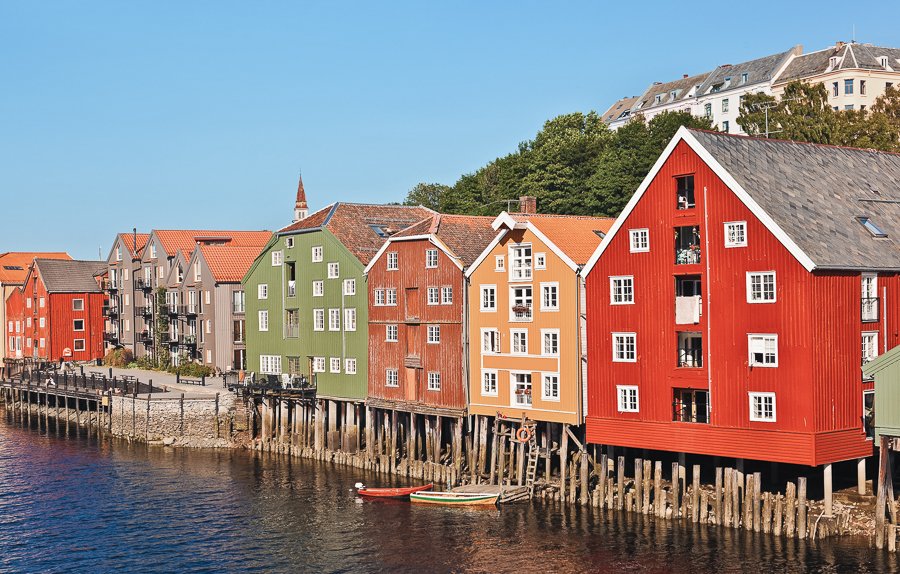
(417,303)
(58,313)
(731,305)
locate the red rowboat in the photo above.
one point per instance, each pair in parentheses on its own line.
(390,492)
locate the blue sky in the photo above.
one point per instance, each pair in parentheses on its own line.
(201,114)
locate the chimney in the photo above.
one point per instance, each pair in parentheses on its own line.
(838,45)
(684,76)
(134,239)
(527,204)
(300,208)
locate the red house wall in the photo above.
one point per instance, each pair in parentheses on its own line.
(62,332)
(446,358)
(816,317)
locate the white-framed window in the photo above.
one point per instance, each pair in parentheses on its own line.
(434,381)
(519,341)
(639,240)
(350,366)
(78,325)
(42,322)
(209,326)
(127,324)
(28,322)
(209,356)
(393,261)
(550,345)
(334,319)
(391,296)
(318,319)
(736,234)
(206,296)
(262,291)
(270,364)
(869,346)
(318,254)
(263,320)
(318,365)
(126,274)
(349,287)
(350,319)
(520,389)
(335,364)
(624,347)
(869,297)
(318,288)
(41,302)
(521,297)
(628,399)
(434,296)
(761,287)
(520,260)
(540,260)
(42,342)
(762,407)
(118,253)
(334,270)
(763,350)
(391,333)
(431,258)
(490,341)
(77,304)
(434,334)
(499,263)
(152,251)
(621,290)
(550,296)
(379,297)
(28,303)
(78,345)
(277,258)
(446,295)
(488,383)
(489,298)
(289,242)
(391,378)
(127,300)
(550,387)
(197,274)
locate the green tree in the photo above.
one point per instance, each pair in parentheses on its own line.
(430,195)
(161,343)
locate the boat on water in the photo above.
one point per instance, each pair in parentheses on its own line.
(403,492)
(455,498)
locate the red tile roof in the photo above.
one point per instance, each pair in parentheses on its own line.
(14,265)
(228,263)
(466,235)
(185,240)
(128,239)
(575,235)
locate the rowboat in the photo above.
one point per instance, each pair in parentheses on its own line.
(455,498)
(389,492)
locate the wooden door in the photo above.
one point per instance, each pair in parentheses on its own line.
(411,302)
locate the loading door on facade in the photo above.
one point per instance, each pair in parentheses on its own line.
(411,302)
(413,360)
(412,383)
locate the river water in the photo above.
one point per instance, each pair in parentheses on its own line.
(79,504)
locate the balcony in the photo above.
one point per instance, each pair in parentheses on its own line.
(687,245)
(110,310)
(111,337)
(145,338)
(144,311)
(690,350)
(111,285)
(292,289)
(143,284)
(869,309)
(172,309)
(690,406)
(189,340)
(191,309)
(521,313)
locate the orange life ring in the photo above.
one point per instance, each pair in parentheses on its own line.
(523,434)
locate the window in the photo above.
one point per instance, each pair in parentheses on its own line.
(318,319)
(350,319)
(434,381)
(434,296)
(197,273)
(725,126)
(521,303)
(446,295)
(350,366)
(519,339)
(621,290)
(551,342)
(77,304)
(263,320)
(640,240)
(848,107)
(41,302)
(390,333)
(289,242)
(862,87)
(318,364)
(391,296)
(393,262)
(270,364)
(391,378)
(207,296)
(434,334)
(318,288)
(707,109)
(78,345)
(736,234)
(685,191)
(549,296)
(334,270)
(490,341)
(521,389)
(725,106)
(42,342)
(489,383)
(762,407)
(744,77)
(628,398)
(499,263)
(335,364)
(118,253)
(277,258)
(262,291)
(624,347)
(379,297)
(78,325)
(431,258)
(334,319)
(761,287)
(488,297)
(28,303)
(869,297)
(869,346)
(540,260)
(550,387)
(866,222)
(763,350)
(41,322)
(209,356)
(152,251)
(349,287)
(520,261)
(848,87)
(317,254)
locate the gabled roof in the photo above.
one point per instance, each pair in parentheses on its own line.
(758,70)
(881,363)
(14,265)
(682,87)
(228,264)
(361,228)
(128,240)
(69,276)
(184,240)
(810,196)
(849,57)
(620,109)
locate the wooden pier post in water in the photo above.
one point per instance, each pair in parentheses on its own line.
(676,505)
(695,494)
(646,475)
(658,499)
(585,473)
(790,513)
(638,483)
(726,517)
(620,482)
(801,507)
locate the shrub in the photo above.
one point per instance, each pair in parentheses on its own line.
(119,357)
(193,370)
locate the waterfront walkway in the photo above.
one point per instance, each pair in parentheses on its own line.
(168,380)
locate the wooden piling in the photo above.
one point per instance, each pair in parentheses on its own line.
(638,483)
(695,494)
(563,461)
(604,475)
(645,505)
(620,481)
(676,484)
(766,514)
(779,515)
(726,517)
(585,484)
(757,479)
(790,514)
(801,507)
(658,498)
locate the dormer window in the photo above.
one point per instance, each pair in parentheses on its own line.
(727,81)
(871,227)
(883,61)
(745,77)
(658,98)
(833,62)
(673,94)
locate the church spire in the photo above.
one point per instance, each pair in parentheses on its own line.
(301,210)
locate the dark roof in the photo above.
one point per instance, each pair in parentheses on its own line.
(362,228)
(63,276)
(466,235)
(682,87)
(816,193)
(616,111)
(759,70)
(850,57)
